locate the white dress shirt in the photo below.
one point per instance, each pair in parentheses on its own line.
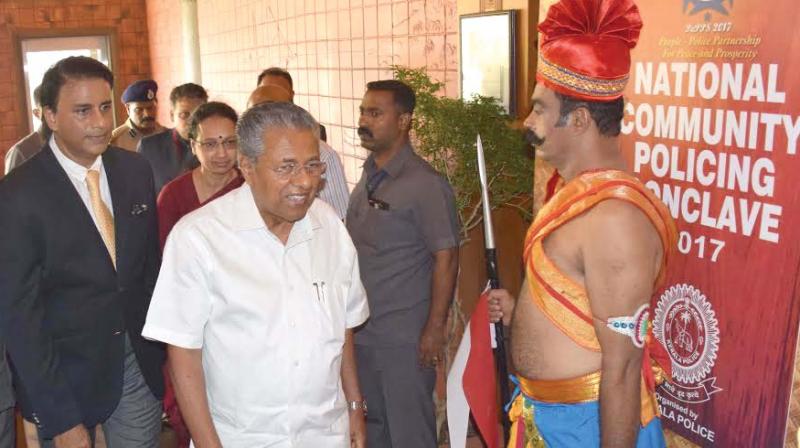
(77,175)
(270,319)
(335,191)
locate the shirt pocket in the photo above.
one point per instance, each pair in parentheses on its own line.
(329,301)
(393,229)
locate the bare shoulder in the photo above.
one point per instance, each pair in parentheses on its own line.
(621,252)
(618,222)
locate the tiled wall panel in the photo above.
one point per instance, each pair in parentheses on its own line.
(331,47)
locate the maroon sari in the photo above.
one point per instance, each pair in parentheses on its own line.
(179,198)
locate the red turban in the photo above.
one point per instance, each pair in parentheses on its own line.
(585,47)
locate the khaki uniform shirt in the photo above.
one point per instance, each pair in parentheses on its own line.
(128,137)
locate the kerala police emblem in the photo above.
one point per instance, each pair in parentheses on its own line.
(685,323)
(150,94)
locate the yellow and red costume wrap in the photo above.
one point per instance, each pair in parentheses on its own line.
(566,303)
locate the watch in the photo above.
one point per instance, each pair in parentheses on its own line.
(356,405)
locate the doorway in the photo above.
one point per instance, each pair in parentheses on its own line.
(39,54)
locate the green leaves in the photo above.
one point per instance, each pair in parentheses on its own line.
(444,133)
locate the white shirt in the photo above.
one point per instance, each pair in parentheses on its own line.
(271,343)
(77,175)
(335,191)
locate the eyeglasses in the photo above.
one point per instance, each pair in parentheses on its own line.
(212,144)
(288,170)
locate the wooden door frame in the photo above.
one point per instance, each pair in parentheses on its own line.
(20,34)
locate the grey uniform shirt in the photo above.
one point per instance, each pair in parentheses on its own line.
(411,215)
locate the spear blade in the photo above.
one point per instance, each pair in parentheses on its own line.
(488,229)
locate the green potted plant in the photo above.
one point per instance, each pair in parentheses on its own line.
(444,132)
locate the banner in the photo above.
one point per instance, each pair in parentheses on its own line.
(711,124)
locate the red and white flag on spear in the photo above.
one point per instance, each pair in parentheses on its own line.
(472,381)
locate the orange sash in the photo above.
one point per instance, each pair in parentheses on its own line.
(562,300)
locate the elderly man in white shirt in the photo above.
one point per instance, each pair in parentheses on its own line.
(257,297)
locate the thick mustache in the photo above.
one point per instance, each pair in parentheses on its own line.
(148,119)
(532,139)
(364,132)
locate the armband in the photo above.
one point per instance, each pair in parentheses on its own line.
(633,326)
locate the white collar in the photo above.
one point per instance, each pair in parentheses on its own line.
(246,216)
(73,168)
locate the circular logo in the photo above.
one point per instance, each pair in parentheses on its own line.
(686,325)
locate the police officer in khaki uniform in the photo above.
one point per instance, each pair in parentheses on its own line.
(140,100)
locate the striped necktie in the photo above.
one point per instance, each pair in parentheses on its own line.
(105,222)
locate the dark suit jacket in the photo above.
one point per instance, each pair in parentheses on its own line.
(64,310)
(6,393)
(167,161)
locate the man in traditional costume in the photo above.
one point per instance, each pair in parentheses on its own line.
(595,254)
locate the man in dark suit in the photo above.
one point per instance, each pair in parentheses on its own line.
(169,152)
(78,261)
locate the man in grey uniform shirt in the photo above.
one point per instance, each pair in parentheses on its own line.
(403,221)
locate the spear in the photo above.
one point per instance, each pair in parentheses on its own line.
(498,344)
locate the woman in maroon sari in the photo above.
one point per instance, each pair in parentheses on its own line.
(212,133)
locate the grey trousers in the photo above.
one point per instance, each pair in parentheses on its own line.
(136,422)
(399,394)
(7,428)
